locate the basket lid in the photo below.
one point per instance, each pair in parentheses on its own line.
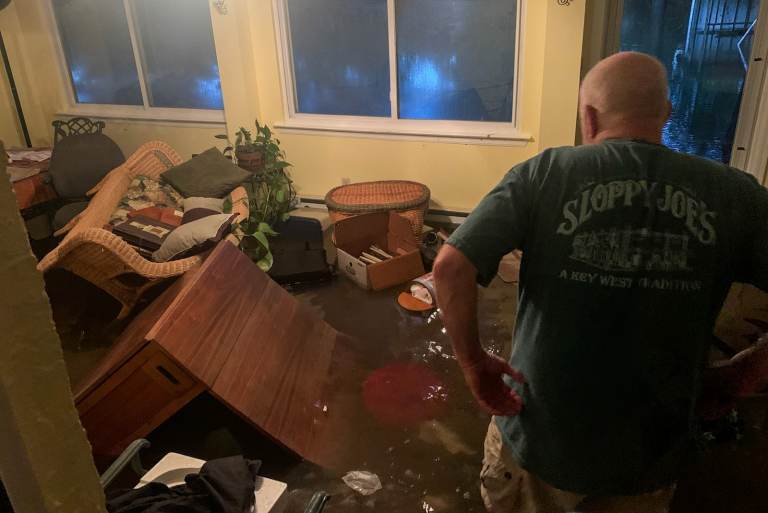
(367,196)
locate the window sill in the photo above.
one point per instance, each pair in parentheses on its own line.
(436,131)
(185,116)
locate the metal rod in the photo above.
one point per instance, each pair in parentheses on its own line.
(721,17)
(15,93)
(691,28)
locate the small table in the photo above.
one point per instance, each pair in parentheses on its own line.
(31,182)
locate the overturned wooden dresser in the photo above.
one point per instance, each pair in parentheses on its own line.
(228,329)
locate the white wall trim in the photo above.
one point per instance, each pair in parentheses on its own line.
(214,117)
(384,128)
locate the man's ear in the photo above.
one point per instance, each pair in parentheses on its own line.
(589,124)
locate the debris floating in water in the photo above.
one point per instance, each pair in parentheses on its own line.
(363,482)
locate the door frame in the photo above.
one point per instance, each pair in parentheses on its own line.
(750,147)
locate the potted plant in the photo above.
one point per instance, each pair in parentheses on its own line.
(271,194)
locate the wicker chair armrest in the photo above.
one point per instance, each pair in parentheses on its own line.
(67,227)
(121,251)
(96,188)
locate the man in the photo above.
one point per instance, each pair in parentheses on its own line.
(629,250)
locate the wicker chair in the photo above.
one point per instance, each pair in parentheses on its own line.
(105,259)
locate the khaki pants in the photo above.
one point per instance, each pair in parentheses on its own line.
(508,488)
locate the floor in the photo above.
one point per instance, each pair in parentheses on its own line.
(427,457)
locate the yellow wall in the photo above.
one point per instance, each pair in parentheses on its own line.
(246,44)
(184,138)
(10,131)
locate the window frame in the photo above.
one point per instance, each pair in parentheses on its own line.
(144,112)
(392,126)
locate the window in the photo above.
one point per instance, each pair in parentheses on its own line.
(412,65)
(146,54)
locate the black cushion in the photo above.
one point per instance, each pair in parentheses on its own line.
(79,162)
(66,213)
(208,175)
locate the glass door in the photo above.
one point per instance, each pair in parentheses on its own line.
(706,47)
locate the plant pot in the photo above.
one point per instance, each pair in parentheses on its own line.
(252,161)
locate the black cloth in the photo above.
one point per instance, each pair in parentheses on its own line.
(225,485)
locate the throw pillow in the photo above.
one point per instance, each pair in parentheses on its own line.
(195,237)
(192,215)
(196,208)
(210,174)
(216,204)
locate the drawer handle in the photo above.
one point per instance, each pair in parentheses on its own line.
(167,375)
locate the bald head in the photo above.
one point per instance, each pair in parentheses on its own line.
(625,95)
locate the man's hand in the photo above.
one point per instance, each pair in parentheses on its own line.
(485,380)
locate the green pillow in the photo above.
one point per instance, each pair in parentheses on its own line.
(210,175)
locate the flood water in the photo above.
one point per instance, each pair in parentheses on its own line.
(428,457)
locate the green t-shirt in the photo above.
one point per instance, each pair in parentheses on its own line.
(629,250)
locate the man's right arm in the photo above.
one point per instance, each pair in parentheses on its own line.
(456,285)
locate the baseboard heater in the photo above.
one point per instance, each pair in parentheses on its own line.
(454,216)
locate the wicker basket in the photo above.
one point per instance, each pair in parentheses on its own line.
(410,199)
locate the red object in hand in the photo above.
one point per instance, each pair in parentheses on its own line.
(404,394)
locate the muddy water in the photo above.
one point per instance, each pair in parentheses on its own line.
(427,458)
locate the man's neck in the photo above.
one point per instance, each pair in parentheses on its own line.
(651,135)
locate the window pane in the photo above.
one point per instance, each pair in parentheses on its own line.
(340,56)
(705,45)
(97,45)
(178,54)
(456,59)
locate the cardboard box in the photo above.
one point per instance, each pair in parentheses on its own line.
(390,232)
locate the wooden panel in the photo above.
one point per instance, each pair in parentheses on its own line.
(253,345)
(277,371)
(131,340)
(200,329)
(137,398)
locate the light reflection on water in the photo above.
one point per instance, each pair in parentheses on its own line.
(433,461)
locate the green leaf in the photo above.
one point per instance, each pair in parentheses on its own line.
(266,229)
(265,264)
(281,165)
(259,236)
(285,216)
(221,136)
(280,196)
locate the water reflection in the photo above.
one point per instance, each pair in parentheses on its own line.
(703,44)
(408,415)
